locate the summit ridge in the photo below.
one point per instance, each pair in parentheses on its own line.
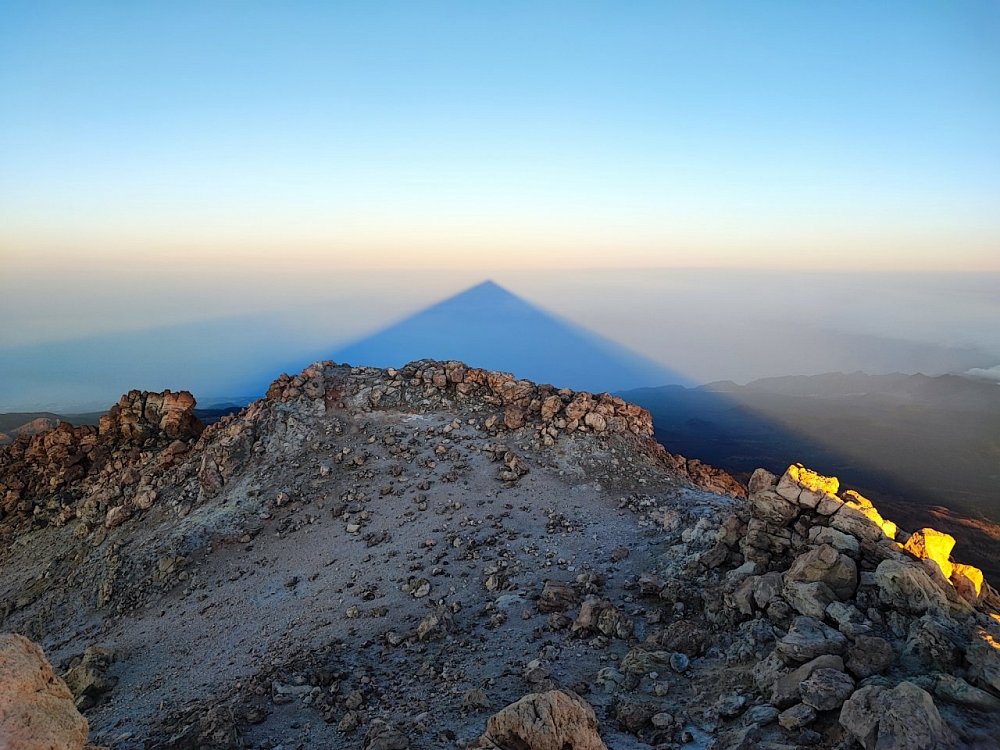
(440,555)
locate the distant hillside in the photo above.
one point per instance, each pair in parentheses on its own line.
(14,424)
(13,420)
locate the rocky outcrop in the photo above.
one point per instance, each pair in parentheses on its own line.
(44,477)
(853,603)
(445,515)
(555,720)
(508,403)
(901,718)
(36,707)
(141,416)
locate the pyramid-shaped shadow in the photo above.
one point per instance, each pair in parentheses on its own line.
(488,326)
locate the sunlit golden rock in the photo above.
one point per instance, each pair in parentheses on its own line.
(809,489)
(931,544)
(968,581)
(859,517)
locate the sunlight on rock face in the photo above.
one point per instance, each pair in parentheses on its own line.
(858,503)
(968,580)
(853,513)
(934,545)
(809,489)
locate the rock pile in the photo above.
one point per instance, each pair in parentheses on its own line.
(507,402)
(44,478)
(864,628)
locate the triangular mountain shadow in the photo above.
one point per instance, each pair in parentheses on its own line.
(488,326)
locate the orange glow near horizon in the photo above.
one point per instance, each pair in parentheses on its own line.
(486,251)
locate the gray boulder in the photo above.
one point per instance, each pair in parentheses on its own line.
(903,718)
(808,638)
(826,689)
(825,564)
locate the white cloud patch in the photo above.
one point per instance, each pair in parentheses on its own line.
(984,373)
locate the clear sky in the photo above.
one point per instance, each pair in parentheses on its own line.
(141,138)
(200,194)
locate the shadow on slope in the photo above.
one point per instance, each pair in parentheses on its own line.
(916,445)
(487,326)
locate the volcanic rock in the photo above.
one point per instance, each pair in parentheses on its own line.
(903,718)
(934,545)
(36,707)
(555,720)
(826,565)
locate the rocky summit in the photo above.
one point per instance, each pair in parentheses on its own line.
(441,556)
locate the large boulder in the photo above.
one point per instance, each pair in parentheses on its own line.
(808,638)
(809,599)
(934,545)
(903,718)
(957,690)
(36,707)
(771,507)
(142,415)
(785,688)
(906,586)
(807,488)
(555,720)
(826,689)
(869,655)
(824,564)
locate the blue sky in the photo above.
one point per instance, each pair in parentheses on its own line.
(764,134)
(195,192)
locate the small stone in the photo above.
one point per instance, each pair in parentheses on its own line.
(729,706)
(826,689)
(662,720)
(761,715)
(679,662)
(796,717)
(421,589)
